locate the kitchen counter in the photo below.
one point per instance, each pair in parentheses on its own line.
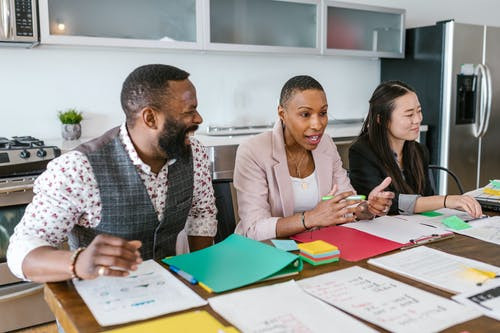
(341,134)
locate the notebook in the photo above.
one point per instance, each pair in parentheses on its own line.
(235,262)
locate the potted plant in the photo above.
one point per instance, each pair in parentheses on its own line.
(71,128)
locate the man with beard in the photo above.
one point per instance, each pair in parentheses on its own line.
(140,191)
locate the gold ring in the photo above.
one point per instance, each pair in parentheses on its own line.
(101,271)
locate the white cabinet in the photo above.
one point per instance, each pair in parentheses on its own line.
(353,29)
(263,25)
(284,26)
(127,23)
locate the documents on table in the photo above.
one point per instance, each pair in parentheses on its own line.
(402,229)
(487,229)
(385,302)
(439,269)
(282,307)
(148,292)
(486,299)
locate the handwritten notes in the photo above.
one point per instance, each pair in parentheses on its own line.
(436,268)
(282,307)
(385,302)
(148,292)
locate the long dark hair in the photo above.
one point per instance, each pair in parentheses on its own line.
(375,128)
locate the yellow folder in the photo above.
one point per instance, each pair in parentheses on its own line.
(189,322)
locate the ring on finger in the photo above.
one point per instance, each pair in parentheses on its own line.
(101,271)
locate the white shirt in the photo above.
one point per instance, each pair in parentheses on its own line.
(67,194)
(305,192)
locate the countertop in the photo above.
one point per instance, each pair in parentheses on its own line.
(340,133)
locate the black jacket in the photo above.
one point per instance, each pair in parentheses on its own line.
(366,171)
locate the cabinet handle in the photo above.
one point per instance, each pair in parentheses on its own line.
(5,15)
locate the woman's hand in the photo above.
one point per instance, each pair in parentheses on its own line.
(465,203)
(333,211)
(380,201)
(108,255)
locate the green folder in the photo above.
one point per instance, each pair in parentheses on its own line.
(235,262)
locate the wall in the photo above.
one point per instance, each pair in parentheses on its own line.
(232,88)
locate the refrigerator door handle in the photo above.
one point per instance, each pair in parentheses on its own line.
(5,15)
(489,90)
(481,71)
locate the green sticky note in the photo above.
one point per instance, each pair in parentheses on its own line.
(495,183)
(431,213)
(455,223)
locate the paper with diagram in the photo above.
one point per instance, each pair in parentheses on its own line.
(487,230)
(486,299)
(385,302)
(148,292)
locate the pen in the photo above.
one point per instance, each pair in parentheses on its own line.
(204,286)
(429,225)
(188,277)
(352,197)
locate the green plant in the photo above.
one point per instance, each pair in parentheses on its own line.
(70,116)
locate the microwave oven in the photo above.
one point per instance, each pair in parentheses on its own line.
(18,23)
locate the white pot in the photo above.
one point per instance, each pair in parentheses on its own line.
(71,131)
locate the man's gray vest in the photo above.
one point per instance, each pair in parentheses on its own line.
(127,210)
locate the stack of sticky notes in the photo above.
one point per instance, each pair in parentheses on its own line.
(493,188)
(319,252)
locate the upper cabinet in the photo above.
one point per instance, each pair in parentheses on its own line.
(129,23)
(264,25)
(284,26)
(353,29)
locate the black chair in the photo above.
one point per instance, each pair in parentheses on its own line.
(226,221)
(433,168)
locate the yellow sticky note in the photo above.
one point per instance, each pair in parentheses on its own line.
(189,322)
(317,247)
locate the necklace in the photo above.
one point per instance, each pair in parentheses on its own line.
(298,164)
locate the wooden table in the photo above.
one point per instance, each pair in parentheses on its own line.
(74,316)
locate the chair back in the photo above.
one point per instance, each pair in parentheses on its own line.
(450,173)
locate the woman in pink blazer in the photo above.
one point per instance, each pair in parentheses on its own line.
(280,176)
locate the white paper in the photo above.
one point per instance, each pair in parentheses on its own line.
(282,307)
(148,292)
(401,229)
(385,302)
(487,229)
(485,299)
(436,268)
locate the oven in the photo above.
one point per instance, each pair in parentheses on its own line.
(22,159)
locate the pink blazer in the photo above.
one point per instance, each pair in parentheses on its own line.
(263,185)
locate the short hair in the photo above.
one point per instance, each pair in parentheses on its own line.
(147,86)
(298,83)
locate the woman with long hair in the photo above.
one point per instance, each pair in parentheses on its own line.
(387,147)
(282,175)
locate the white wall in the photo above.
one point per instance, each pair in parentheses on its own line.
(232,88)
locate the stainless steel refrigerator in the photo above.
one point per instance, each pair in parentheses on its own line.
(455,69)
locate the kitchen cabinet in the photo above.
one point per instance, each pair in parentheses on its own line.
(360,30)
(279,26)
(127,23)
(263,25)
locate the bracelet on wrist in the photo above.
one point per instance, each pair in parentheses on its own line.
(72,265)
(303,219)
(444,202)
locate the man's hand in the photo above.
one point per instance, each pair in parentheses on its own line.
(108,255)
(380,201)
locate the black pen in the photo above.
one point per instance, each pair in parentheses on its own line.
(429,225)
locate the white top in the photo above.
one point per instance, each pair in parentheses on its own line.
(305,192)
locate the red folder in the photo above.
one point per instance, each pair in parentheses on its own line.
(354,245)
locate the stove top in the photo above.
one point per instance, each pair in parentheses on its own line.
(25,155)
